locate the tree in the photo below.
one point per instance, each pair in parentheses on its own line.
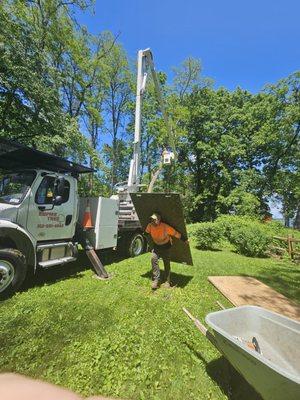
(188,76)
(40,40)
(29,101)
(281,143)
(117,98)
(219,154)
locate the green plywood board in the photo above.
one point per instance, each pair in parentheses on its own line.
(169,206)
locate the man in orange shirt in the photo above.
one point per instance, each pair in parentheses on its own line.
(161,235)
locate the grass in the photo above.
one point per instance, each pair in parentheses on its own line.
(119,338)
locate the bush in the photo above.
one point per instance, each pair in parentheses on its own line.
(192,228)
(250,240)
(208,235)
(249,236)
(228,223)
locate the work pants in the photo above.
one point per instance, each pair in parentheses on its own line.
(163,253)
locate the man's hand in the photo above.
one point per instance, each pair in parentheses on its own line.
(184,239)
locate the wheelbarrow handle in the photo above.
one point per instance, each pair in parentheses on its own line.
(198,324)
(202,328)
(221,305)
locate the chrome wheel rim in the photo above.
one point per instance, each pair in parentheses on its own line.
(137,246)
(7,274)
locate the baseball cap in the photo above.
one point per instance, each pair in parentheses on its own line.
(155,216)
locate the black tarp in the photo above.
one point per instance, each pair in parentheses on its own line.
(169,206)
(14,156)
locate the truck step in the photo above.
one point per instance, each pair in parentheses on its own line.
(57,261)
(41,247)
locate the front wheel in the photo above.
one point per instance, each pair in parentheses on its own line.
(13,271)
(137,244)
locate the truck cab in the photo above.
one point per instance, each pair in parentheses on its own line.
(43,202)
(39,209)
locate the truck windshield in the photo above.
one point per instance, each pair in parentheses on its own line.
(13,187)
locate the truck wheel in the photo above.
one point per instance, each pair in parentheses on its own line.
(13,271)
(136,245)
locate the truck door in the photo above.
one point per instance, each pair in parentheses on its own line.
(47,221)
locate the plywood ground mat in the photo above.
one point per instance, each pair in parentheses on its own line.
(169,206)
(244,290)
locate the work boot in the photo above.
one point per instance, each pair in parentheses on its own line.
(167,285)
(155,284)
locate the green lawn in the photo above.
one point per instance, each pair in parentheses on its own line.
(118,338)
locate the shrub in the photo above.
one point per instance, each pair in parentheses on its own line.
(208,235)
(192,228)
(228,223)
(249,236)
(250,240)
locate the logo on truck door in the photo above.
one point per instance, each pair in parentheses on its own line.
(52,220)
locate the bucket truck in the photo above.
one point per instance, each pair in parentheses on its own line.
(128,220)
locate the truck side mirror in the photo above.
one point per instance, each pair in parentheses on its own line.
(57,201)
(60,185)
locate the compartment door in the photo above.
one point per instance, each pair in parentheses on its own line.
(106,229)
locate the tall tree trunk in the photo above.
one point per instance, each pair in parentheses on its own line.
(297,219)
(286,221)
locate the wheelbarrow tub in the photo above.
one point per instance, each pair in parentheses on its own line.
(275,372)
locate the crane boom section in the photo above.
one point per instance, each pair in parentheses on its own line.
(145,61)
(149,58)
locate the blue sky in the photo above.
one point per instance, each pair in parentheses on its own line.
(240,43)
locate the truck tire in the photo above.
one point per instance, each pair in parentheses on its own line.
(13,270)
(136,245)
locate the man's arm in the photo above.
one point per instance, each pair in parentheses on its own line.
(172,232)
(147,233)
(148,229)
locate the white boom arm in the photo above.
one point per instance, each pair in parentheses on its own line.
(145,61)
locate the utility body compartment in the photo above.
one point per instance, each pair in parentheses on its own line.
(104,215)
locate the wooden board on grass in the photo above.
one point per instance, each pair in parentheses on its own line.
(244,290)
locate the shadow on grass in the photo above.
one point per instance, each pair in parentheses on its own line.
(70,270)
(208,249)
(285,280)
(109,257)
(178,280)
(232,384)
(58,273)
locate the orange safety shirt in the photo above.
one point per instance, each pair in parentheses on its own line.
(161,233)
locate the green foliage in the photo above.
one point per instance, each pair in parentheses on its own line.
(228,223)
(250,240)
(208,235)
(248,235)
(55,78)
(233,147)
(241,202)
(118,96)
(188,76)
(258,237)
(29,100)
(192,228)
(92,185)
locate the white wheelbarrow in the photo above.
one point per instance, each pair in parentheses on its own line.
(262,345)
